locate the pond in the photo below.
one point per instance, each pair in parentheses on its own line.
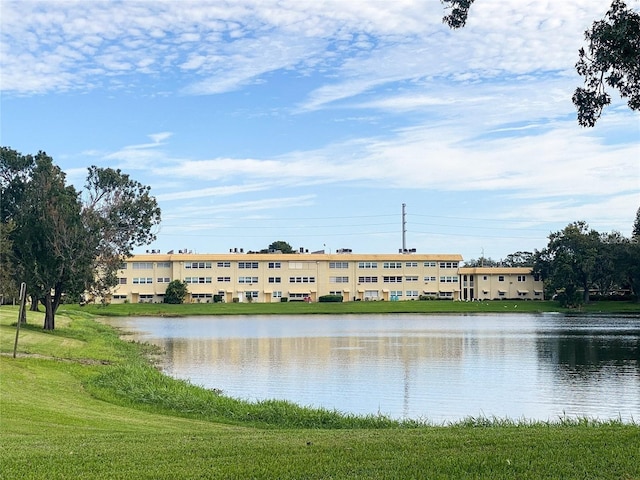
(439,368)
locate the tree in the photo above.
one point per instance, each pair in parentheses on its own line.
(569,263)
(278,245)
(612,58)
(62,246)
(635,232)
(176,292)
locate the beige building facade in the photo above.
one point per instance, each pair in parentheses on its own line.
(496,283)
(271,277)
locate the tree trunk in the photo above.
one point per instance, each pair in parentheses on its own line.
(49,314)
(34,303)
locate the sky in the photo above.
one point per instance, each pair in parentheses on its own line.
(313,122)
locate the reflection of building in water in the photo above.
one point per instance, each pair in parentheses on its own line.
(274,277)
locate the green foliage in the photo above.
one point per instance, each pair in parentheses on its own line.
(330,298)
(63,242)
(176,292)
(611,59)
(278,246)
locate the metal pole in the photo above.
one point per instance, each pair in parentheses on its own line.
(23,298)
(404,230)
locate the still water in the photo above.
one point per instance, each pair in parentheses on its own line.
(437,367)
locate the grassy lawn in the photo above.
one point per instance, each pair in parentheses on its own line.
(80,403)
(297,308)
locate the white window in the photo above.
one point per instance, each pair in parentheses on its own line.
(448,264)
(446,294)
(338,264)
(275,265)
(163,265)
(295,265)
(197,280)
(392,265)
(411,278)
(298,295)
(367,264)
(429,264)
(392,279)
(367,279)
(395,293)
(449,279)
(302,279)
(430,279)
(412,293)
(123,266)
(247,279)
(338,279)
(142,280)
(163,280)
(522,278)
(122,281)
(223,279)
(223,264)
(275,279)
(411,264)
(143,265)
(501,278)
(276,295)
(197,265)
(247,265)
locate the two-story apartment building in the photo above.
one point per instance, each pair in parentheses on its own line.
(269,277)
(491,283)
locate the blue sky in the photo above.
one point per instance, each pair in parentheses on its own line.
(313,122)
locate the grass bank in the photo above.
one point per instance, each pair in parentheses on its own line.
(80,403)
(298,308)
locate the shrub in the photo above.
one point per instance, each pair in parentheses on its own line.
(330,298)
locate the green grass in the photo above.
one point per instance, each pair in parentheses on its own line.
(80,403)
(298,308)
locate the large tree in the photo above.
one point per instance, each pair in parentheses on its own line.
(65,243)
(611,58)
(569,262)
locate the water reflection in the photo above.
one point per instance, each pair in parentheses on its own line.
(436,367)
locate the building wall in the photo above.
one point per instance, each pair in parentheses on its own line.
(270,277)
(495,283)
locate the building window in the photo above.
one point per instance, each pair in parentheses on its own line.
(446,294)
(411,264)
(338,264)
(163,280)
(338,279)
(429,264)
(202,296)
(367,279)
(119,297)
(448,264)
(501,278)
(449,279)
(395,293)
(411,278)
(197,265)
(247,279)
(302,279)
(367,264)
(223,279)
(522,278)
(142,280)
(412,293)
(122,281)
(430,279)
(143,265)
(197,280)
(223,264)
(163,265)
(392,265)
(392,279)
(485,278)
(335,292)
(275,280)
(276,295)
(123,266)
(298,295)
(295,265)
(275,265)
(251,294)
(246,265)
